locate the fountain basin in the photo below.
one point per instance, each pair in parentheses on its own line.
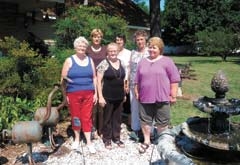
(197,130)
(176,148)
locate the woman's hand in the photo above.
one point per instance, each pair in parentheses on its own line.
(173,99)
(136,91)
(126,86)
(126,89)
(124,99)
(136,96)
(95,99)
(102,102)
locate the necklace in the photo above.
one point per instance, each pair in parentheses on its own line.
(115,72)
(96,50)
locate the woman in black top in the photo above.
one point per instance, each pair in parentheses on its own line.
(111,75)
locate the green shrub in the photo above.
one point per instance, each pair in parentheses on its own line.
(81,20)
(25,74)
(13,110)
(61,54)
(220,42)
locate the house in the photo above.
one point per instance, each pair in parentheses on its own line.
(126,9)
(19,17)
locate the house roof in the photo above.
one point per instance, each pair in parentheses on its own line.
(125,9)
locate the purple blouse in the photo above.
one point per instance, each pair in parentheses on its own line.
(154,79)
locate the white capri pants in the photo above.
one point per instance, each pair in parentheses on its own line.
(135,106)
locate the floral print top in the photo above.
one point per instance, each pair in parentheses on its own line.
(134,60)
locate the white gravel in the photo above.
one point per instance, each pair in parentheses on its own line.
(119,156)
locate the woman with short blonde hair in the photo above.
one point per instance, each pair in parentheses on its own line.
(156,85)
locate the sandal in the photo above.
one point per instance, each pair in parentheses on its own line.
(108,145)
(143,148)
(119,143)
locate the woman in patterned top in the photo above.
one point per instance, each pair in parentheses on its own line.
(140,38)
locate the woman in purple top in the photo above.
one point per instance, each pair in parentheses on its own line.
(156,85)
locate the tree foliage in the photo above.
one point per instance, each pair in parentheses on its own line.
(184,18)
(142,4)
(79,21)
(23,73)
(221,42)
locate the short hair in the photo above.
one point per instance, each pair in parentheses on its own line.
(112,44)
(156,41)
(140,33)
(96,32)
(121,36)
(79,40)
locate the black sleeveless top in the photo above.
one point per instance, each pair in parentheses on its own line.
(113,83)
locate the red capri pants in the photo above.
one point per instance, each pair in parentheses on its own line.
(80,105)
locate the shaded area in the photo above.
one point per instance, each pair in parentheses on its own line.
(204,153)
(3,160)
(128,10)
(197,129)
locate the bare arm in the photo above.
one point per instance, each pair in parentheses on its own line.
(174,88)
(94,82)
(66,66)
(64,79)
(136,91)
(102,101)
(126,83)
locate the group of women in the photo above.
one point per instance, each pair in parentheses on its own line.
(99,77)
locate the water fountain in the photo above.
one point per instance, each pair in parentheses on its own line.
(214,139)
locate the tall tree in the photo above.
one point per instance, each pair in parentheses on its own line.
(154,5)
(184,18)
(155,29)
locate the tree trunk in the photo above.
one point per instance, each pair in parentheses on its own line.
(155,29)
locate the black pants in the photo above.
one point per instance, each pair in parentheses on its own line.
(112,121)
(97,118)
(126,105)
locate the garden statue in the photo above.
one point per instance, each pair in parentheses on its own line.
(32,131)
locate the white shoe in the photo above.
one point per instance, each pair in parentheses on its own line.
(75,146)
(91,149)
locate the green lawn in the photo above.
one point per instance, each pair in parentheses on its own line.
(204,68)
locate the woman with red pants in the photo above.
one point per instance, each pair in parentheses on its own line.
(79,72)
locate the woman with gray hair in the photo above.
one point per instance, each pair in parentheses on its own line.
(111,74)
(79,73)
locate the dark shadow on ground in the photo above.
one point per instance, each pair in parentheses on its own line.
(3,160)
